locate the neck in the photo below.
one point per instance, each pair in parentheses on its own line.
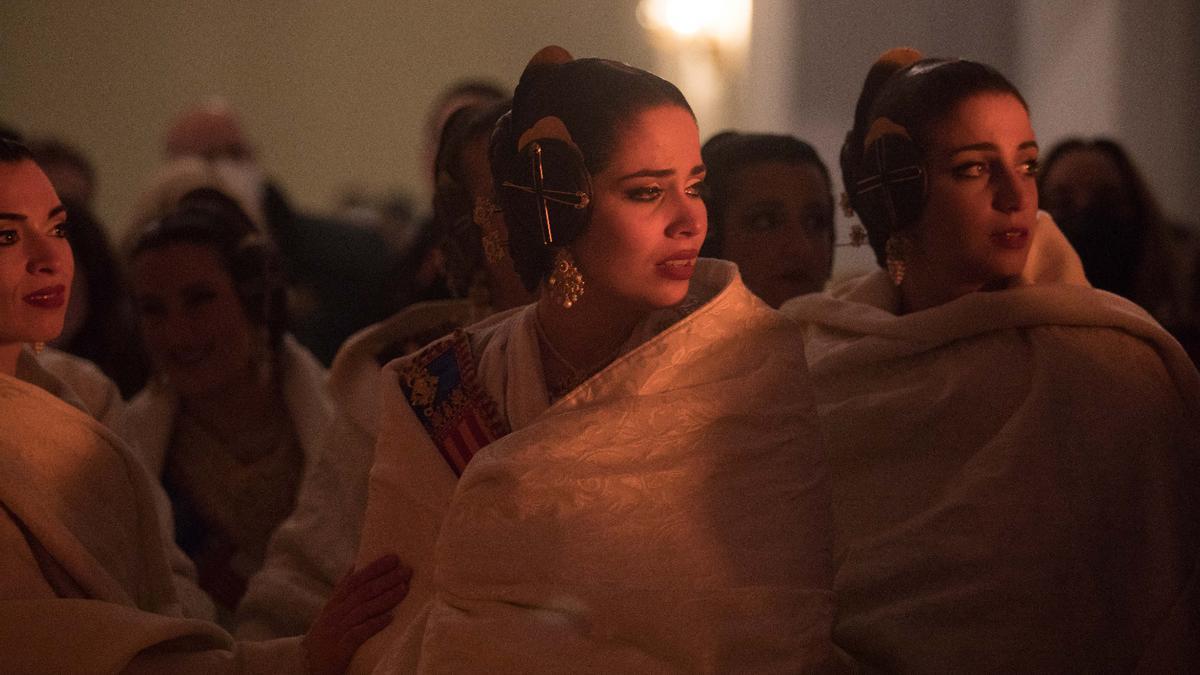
(9,354)
(243,403)
(588,334)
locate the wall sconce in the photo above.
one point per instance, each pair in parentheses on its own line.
(701,45)
(721,27)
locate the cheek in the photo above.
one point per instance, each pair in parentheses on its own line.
(750,251)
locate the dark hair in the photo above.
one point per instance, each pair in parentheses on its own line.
(917,96)
(727,153)
(1145,206)
(13,151)
(453,205)
(10,133)
(1126,252)
(208,217)
(595,99)
(108,335)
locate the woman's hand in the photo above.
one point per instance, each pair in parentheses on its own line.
(360,607)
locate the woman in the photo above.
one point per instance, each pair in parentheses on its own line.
(80,545)
(1111,217)
(312,548)
(232,419)
(622,475)
(770,211)
(1013,452)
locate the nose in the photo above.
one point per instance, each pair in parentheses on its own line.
(45,256)
(1013,190)
(689,220)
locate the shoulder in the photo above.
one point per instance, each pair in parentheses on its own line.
(1104,356)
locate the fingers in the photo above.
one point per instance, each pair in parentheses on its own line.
(381,577)
(378,567)
(354,637)
(368,610)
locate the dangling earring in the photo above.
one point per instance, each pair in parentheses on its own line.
(566,283)
(38,347)
(894,250)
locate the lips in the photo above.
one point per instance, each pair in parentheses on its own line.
(51,297)
(187,357)
(679,266)
(1011,238)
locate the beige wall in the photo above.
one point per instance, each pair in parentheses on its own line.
(334,93)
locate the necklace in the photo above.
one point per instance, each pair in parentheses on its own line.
(569,376)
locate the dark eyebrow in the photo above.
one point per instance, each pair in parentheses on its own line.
(661,173)
(20,217)
(989,147)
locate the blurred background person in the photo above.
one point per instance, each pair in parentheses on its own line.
(1104,205)
(313,547)
(424,266)
(770,211)
(340,277)
(231,418)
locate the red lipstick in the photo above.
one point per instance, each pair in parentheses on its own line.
(1012,238)
(51,297)
(679,266)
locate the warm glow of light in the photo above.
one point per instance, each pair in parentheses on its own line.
(724,21)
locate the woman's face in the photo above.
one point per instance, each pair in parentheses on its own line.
(778,228)
(192,321)
(1082,184)
(36,266)
(981,213)
(648,220)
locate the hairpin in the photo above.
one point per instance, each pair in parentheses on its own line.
(576,200)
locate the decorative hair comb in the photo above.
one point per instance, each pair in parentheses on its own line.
(547,129)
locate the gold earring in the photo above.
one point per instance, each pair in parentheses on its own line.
(566,282)
(38,347)
(894,250)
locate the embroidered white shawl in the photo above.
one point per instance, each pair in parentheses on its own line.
(1013,476)
(670,514)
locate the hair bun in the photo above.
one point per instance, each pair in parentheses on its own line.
(900,56)
(550,55)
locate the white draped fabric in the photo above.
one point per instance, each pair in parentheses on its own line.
(1014,476)
(670,514)
(86,587)
(313,548)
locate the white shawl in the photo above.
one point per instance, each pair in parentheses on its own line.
(314,547)
(85,586)
(670,514)
(1013,477)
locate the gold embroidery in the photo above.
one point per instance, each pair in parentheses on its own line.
(449,411)
(421,383)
